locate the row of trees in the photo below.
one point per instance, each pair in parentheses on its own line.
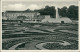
(71,12)
(47,11)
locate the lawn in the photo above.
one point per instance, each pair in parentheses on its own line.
(12,34)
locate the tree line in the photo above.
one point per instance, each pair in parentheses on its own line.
(71,12)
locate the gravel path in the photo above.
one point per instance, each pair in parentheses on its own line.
(40,46)
(28,46)
(13,47)
(68,31)
(31,46)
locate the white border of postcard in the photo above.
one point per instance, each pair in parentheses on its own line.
(36,50)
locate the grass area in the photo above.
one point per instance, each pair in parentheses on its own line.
(47,37)
(55,46)
(9,43)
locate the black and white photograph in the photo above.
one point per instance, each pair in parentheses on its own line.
(40,25)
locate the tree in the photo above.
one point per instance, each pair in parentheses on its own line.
(28,10)
(48,11)
(73,12)
(63,11)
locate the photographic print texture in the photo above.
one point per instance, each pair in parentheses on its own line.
(39,25)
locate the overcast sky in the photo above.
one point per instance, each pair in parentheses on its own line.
(35,4)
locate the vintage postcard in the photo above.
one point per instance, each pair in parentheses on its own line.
(36,25)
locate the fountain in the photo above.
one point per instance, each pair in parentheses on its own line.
(57,14)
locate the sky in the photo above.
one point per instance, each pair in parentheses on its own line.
(20,5)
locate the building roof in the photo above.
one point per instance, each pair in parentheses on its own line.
(21,12)
(10,20)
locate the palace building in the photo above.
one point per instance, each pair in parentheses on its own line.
(34,17)
(14,15)
(30,17)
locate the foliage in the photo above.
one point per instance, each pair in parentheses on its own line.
(71,12)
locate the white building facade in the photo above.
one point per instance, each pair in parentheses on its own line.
(28,17)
